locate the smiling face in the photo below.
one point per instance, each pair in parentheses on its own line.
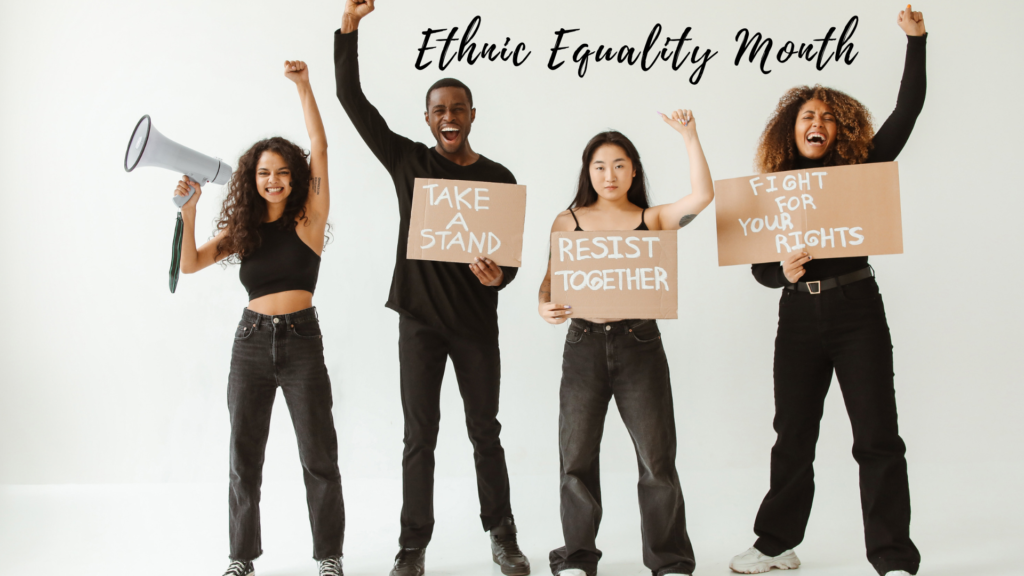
(815,129)
(273,177)
(450,117)
(611,172)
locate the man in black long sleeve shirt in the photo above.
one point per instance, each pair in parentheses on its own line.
(445,310)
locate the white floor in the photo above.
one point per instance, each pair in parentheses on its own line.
(967,521)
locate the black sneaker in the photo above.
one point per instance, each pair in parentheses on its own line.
(240,568)
(409,562)
(331,566)
(505,550)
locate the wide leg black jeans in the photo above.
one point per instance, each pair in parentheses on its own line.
(624,360)
(423,352)
(842,329)
(283,351)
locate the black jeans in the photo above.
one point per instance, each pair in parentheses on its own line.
(423,352)
(624,360)
(841,329)
(286,351)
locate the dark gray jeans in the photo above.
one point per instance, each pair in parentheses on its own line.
(624,360)
(286,351)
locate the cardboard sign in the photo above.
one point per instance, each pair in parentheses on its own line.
(457,221)
(615,273)
(831,212)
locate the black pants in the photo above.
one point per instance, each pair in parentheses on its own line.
(423,352)
(842,329)
(624,360)
(286,351)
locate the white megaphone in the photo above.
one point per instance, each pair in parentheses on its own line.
(148,147)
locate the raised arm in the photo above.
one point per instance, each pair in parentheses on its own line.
(552,312)
(387,146)
(895,131)
(318,204)
(193,259)
(702,189)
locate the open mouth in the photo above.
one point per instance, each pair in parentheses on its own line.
(816,139)
(450,134)
(274,190)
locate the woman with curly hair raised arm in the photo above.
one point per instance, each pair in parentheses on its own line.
(273,221)
(831,318)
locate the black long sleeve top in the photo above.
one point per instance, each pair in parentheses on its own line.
(886,146)
(442,294)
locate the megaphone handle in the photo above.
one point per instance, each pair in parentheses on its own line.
(180,201)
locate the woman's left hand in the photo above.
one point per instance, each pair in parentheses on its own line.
(296,71)
(681,121)
(487,272)
(911,22)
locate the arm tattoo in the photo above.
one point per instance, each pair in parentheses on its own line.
(316,185)
(686,220)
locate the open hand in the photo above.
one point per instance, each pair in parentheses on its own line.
(793,266)
(911,22)
(296,71)
(489,273)
(554,313)
(183,188)
(681,121)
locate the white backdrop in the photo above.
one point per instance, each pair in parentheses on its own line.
(108,378)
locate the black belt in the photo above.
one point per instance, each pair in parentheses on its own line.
(816,286)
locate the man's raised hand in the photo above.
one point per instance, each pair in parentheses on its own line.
(355,10)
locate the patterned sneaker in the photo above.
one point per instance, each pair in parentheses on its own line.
(753,562)
(240,568)
(331,566)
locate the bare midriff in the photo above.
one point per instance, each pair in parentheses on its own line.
(285,302)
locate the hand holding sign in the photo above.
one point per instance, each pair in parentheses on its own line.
(793,266)
(487,272)
(554,313)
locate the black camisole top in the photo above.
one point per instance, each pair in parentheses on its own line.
(282,262)
(642,226)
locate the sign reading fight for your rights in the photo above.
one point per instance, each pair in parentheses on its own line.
(831,212)
(615,273)
(458,221)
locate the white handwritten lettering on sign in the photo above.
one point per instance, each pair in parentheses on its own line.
(615,274)
(457,221)
(830,212)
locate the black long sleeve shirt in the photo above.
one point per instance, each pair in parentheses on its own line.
(442,294)
(886,146)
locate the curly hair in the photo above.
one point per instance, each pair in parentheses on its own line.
(585,192)
(776,149)
(244,209)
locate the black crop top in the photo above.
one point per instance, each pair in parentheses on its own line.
(642,226)
(282,262)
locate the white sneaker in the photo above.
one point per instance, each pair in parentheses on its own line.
(572,572)
(897,573)
(753,562)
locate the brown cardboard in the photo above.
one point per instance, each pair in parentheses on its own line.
(841,202)
(459,220)
(605,287)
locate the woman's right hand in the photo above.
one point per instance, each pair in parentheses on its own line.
(793,266)
(183,188)
(911,22)
(554,313)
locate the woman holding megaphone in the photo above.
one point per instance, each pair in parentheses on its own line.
(273,221)
(831,319)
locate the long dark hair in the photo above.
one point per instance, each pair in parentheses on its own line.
(585,192)
(244,209)
(776,150)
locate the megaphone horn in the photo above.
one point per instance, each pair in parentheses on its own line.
(148,147)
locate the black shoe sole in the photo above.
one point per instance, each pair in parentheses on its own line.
(507,571)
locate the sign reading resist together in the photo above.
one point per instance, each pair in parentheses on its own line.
(615,273)
(457,221)
(830,212)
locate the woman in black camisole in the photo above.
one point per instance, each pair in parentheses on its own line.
(621,358)
(273,221)
(831,318)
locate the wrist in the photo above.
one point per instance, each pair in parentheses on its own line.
(349,23)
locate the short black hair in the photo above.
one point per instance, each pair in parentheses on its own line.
(449,83)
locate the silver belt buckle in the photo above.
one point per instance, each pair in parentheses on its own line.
(817,286)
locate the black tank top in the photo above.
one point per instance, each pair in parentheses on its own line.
(642,226)
(282,262)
